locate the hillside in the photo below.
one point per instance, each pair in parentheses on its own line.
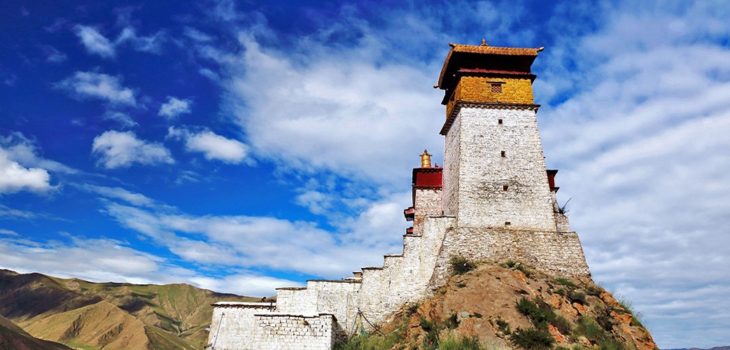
(13,337)
(90,315)
(511,306)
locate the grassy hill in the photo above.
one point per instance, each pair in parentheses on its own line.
(87,315)
(510,306)
(13,337)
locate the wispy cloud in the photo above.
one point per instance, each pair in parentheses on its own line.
(94,42)
(211,145)
(174,106)
(98,86)
(98,44)
(117,149)
(641,137)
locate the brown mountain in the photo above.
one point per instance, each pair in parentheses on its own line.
(89,315)
(13,337)
(511,306)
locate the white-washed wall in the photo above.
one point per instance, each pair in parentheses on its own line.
(293,332)
(233,324)
(452,161)
(406,279)
(427,202)
(483,172)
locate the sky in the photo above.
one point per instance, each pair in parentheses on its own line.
(243,146)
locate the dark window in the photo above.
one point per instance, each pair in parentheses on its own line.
(496,87)
(499,121)
(505,187)
(504,154)
(507,223)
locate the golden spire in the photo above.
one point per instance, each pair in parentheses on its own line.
(484,42)
(425,159)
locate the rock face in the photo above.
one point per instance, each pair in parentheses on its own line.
(106,315)
(496,305)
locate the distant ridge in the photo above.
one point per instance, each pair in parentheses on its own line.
(84,314)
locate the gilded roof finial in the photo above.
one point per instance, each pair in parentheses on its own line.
(425,159)
(484,42)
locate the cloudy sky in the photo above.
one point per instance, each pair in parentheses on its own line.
(245,146)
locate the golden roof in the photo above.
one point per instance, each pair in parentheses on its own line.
(495,50)
(485,49)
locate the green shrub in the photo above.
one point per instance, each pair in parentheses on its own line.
(537,311)
(566,282)
(577,297)
(510,264)
(611,345)
(368,341)
(593,290)
(590,329)
(452,322)
(461,265)
(532,339)
(503,326)
(561,324)
(411,309)
(452,342)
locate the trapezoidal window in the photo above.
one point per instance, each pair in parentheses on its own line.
(496,87)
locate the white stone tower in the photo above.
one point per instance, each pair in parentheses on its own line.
(494,168)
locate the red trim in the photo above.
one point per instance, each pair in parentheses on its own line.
(551,179)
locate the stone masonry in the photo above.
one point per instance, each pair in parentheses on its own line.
(493,200)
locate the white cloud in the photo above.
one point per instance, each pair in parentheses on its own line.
(642,142)
(98,44)
(107,260)
(134,198)
(151,43)
(337,113)
(245,284)
(122,149)
(279,244)
(21,169)
(14,177)
(212,145)
(95,42)
(8,232)
(124,119)
(22,150)
(98,86)
(174,107)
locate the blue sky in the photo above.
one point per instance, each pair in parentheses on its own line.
(244,146)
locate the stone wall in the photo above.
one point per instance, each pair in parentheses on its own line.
(427,202)
(255,326)
(294,332)
(496,190)
(556,253)
(232,324)
(452,155)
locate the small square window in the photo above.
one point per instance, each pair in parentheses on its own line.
(499,121)
(505,187)
(507,223)
(504,154)
(496,87)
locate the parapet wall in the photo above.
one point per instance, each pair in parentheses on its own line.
(556,253)
(255,326)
